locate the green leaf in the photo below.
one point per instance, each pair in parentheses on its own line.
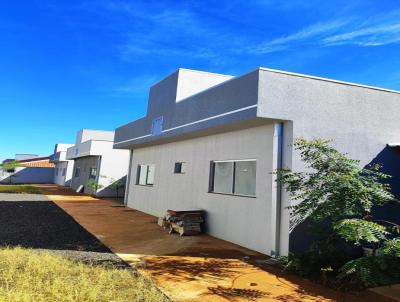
(357,230)
(334,186)
(371,271)
(391,247)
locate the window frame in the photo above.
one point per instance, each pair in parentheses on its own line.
(182,169)
(138,174)
(234,161)
(79,173)
(91,175)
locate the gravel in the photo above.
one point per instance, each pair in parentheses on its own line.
(33,221)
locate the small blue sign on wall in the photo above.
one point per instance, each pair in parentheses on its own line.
(157,126)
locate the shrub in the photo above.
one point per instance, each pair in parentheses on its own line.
(336,197)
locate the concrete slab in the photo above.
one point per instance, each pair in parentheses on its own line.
(196,268)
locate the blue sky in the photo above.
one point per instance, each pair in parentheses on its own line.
(68,65)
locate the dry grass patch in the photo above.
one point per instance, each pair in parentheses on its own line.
(19,189)
(29,275)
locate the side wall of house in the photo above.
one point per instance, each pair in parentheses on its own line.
(114,166)
(243,220)
(69,173)
(59,178)
(84,164)
(360,121)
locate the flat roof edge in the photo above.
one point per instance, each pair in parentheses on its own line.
(328,80)
(191,70)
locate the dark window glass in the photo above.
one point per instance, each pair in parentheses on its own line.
(92,173)
(237,177)
(180,168)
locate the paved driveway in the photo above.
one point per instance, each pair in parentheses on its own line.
(197,268)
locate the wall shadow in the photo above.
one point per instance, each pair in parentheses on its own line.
(109,191)
(33,175)
(43,225)
(389,159)
(286,287)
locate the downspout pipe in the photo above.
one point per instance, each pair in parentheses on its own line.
(278,165)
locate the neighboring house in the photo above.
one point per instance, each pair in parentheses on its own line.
(40,162)
(24,156)
(29,169)
(212,141)
(63,167)
(96,162)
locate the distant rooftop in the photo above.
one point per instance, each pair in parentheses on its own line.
(24,156)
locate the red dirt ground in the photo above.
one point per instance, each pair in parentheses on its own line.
(196,268)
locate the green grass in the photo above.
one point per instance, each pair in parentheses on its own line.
(19,189)
(29,275)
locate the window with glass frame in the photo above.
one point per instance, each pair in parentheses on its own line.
(92,173)
(235,177)
(64,171)
(56,171)
(145,175)
(77,172)
(180,168)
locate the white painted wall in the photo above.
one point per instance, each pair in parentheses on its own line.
(88,134)
(191,82)
(114,165)
(243,220)
(59,178)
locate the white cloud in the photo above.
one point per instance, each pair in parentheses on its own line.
(363,31)
(311,32)
(369,36)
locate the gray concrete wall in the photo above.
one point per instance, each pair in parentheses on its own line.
(359,120)
(112,165)
(242,220)
(28,175)
(230,102)
(84,163)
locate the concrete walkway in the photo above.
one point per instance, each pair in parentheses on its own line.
(197,268)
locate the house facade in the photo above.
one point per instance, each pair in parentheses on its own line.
(96,164)
(212,141)
(63,167)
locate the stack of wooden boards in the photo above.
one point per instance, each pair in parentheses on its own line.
(184,222)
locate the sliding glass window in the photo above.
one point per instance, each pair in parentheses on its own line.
(236,177)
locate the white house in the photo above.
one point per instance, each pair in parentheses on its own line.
(63,167)
(96,164)
(212,141)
